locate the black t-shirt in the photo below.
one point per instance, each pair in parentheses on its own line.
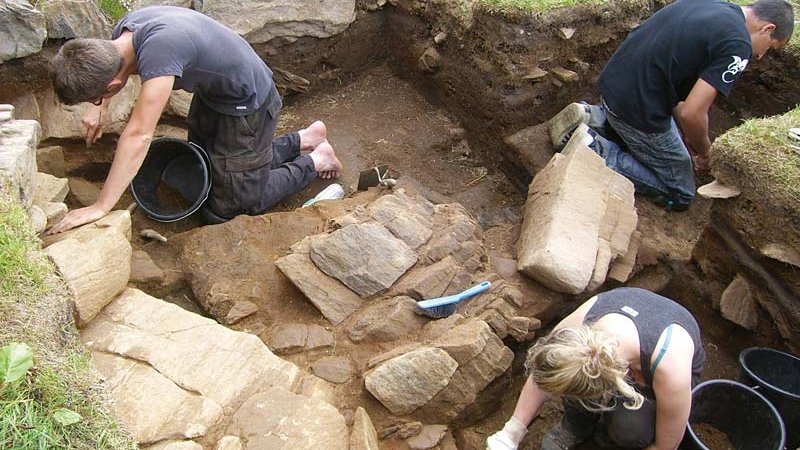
(205,57)
(659,62)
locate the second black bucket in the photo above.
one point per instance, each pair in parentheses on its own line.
(747,418)
(174,180)
(776,375)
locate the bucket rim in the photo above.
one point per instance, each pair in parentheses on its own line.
(762,383)
(737,384)
(203,156)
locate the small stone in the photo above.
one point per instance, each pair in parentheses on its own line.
(564,75)
(566,32)
(54,212)
(440,37)
(401,430)
(536,74)
(51,160)
(782,253)
(239,311)
(5,116)
(318,337)
(143,269)
(229,443)
(289,338)
(518,328)
(84,191)
(428,437)
(38,219)
(430,61)
(716,189)
(336,369)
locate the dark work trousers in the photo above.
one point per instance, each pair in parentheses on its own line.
(250,172)
(621,426)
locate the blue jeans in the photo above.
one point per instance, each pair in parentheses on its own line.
(658,164)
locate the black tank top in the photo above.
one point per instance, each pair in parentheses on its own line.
(652,314)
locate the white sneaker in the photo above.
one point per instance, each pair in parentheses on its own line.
(565,122)
(580,137)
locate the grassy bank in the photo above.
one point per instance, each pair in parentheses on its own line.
(57,403)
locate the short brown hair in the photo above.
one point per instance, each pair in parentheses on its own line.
(83,68)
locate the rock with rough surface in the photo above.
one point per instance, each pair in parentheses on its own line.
(67,19)
(22,29)
(429,437)
(363,436)
(738,305)
(282,18)
(336,369)
(50,189)
(409,381)
(334,300)
(575,205)
(18,142)
(64,121)
(51,160)
(387,320)
(145,334)
(229,443)
(366,257)
(119,221)
(143,269)
(279,419)
(179,103)
(99,274)
(84,191)
(176,445)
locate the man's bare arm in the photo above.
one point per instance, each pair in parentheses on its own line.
(131,151)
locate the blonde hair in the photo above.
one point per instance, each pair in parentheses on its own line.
(582,364)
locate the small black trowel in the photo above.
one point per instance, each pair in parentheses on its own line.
(374,177)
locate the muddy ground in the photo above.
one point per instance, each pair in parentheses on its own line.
(444,128)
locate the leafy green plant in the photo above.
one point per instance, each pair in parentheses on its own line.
(15,361)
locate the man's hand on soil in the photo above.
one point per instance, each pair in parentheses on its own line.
(77,218)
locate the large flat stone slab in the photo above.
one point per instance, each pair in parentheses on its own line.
(208,362)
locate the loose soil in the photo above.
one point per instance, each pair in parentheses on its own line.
(712,437)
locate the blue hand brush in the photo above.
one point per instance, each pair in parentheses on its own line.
(445,306)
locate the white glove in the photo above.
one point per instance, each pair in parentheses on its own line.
(509,437)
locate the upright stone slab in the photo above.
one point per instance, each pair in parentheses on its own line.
(565,220)
(18,142)
(22,29)
(363,436)
(98,274)
(738,305)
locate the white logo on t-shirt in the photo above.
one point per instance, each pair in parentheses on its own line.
(738,65)
(629,310)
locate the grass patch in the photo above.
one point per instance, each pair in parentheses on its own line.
(764,156)
(19,272)
(35,309)
(533,5)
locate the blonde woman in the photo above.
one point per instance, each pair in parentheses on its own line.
(624,363)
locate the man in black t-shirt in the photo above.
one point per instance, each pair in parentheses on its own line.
(658,87)
(233,114)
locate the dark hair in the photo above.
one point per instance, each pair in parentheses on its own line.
(83,68)
(778,12)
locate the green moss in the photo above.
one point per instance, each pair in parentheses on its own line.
(114,9)
(764,156)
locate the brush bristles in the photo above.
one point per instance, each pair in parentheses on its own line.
(437,312)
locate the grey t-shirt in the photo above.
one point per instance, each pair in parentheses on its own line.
(205,57)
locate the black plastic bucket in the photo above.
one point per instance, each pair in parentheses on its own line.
(174,180)
(777,376)
(745,416)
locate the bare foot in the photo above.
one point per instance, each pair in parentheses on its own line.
(311,137)
(326,163)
